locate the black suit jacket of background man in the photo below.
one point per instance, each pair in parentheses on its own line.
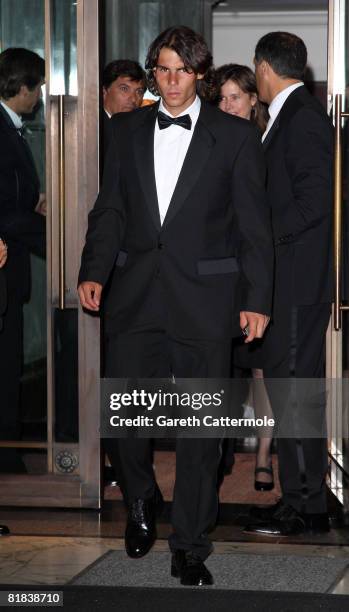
(3,296)
(299,154)
(216,231)
(20,226)
(24,232)
(299,150)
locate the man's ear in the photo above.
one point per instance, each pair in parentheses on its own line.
(264,66)
(23,90)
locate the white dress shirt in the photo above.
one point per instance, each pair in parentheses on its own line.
(277,104)
(170,148)
(16,119)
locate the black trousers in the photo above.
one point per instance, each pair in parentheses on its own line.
(295,347)
(11,359)
(11,351)
(149,351)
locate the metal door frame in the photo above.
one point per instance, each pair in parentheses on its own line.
(79,187)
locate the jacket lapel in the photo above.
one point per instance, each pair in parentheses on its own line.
(197,155)
(289,108)
(144,156)
(274,128)
(20,143)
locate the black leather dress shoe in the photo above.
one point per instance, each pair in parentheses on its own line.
(140,532)
(190,569)
(264,513)
(4,530)
(283,520)
(110,477)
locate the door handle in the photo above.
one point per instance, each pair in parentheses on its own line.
(337,209)
(61,201)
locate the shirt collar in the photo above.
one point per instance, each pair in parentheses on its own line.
(16,119)
(193,110)
(279,100)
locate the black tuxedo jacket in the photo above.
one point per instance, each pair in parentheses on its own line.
(106,132)
(299,154)
(214,251)
(3,296)
(20,226)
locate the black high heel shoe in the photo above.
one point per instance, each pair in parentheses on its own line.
(259,485)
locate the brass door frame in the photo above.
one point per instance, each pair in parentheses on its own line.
(79,187)
(334,340)
(88,186)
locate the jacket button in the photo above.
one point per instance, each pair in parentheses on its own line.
(160,246)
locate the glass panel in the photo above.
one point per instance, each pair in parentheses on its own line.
(22,24)
(66,375)
(63,81)
(345,135)
(63,52)
(149,18)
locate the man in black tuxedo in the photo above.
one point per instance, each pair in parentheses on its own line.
(3,289)
(124,84)
(21,224)
(180,220)
(298,148)
(4,530)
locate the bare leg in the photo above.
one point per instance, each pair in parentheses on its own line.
(262,408)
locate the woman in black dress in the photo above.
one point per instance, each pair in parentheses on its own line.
(238,96)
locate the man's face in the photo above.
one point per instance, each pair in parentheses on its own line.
(123,95)
(28,98)
(176,85)
(261,80)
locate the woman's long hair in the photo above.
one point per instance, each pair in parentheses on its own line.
(192,49)
(244,77)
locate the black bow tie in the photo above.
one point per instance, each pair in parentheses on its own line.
(165,121)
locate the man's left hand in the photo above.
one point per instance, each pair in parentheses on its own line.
(255,324)
(41,205)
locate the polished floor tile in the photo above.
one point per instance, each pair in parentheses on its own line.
(54,560)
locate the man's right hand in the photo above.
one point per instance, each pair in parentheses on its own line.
(90,295)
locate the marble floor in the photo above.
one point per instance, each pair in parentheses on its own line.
(51,546)
(31,560)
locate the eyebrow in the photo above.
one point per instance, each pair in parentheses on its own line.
(168,68)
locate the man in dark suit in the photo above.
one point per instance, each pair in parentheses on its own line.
(172,227)
(3,289)
(298,148)
(21,224)
(124,84)
(4,530)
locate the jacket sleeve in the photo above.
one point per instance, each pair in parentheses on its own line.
(256,252)
(25,228)
(309,159)
(106,221)
(19,223)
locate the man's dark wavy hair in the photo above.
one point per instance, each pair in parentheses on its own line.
(125,68)
(286,53)
(19,67)
(192,49)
